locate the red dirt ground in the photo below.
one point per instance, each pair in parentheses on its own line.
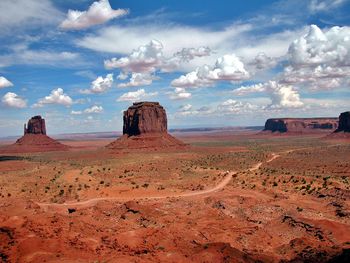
(146,141)
(34,143)
(225,198)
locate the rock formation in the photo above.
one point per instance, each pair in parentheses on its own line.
(343,130)
(35,139)
(344,122)
(36,125)
(144,117)
(301,125)
(145,126)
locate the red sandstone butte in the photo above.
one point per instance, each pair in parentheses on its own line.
(36,125)
(145,126)
(301,125)
(343,130)
(35,139)
(144,117)
(344,122)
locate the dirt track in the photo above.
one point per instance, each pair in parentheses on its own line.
(94,201)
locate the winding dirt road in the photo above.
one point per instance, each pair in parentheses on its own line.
(94,201)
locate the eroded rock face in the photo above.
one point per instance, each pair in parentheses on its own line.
(145,127)
(34,139)
(36,125)
(344,122)
(144,117)
(301,124)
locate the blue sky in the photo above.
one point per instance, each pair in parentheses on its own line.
(80,63)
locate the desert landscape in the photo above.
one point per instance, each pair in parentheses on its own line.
(174,131)
(217,196)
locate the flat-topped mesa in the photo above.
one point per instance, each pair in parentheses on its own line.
(344,122)
(144,117)
(145,127)
(300,125)
(36,125)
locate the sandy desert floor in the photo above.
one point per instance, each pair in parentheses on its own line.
(225,198)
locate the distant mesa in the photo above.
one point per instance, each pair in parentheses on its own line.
(301,125)
(35,139)
(145,126)
(344,122)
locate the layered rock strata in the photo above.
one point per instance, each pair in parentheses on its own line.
(301,125)
(144,127)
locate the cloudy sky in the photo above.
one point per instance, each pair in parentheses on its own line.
(80,63)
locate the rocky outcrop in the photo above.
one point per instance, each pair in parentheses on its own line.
(145,127)
(301,125)
(36,125)
(144,117)
(35,139)
(344,122)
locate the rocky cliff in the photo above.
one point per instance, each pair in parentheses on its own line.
(301,125)
(144,117)
(344,122)
(145,127)
(36,125)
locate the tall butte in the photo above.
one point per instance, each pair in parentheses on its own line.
(35,139)
(145,126)
(344,122)
(36,125)
(343,131)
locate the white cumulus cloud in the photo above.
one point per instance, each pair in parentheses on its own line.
(228,67)
(317,47)
(236,107)
(5,83)
(98,13)
(12,100)
(144,59)
(99,85)
(148,59)
(94,109)
(320,58)
(282,96)
(57,96)
(138,95)
(188,110)
(180,94)
(138,79)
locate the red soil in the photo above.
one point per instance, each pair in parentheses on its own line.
(226,199)
(34,143)
(339,135)
(146,141)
